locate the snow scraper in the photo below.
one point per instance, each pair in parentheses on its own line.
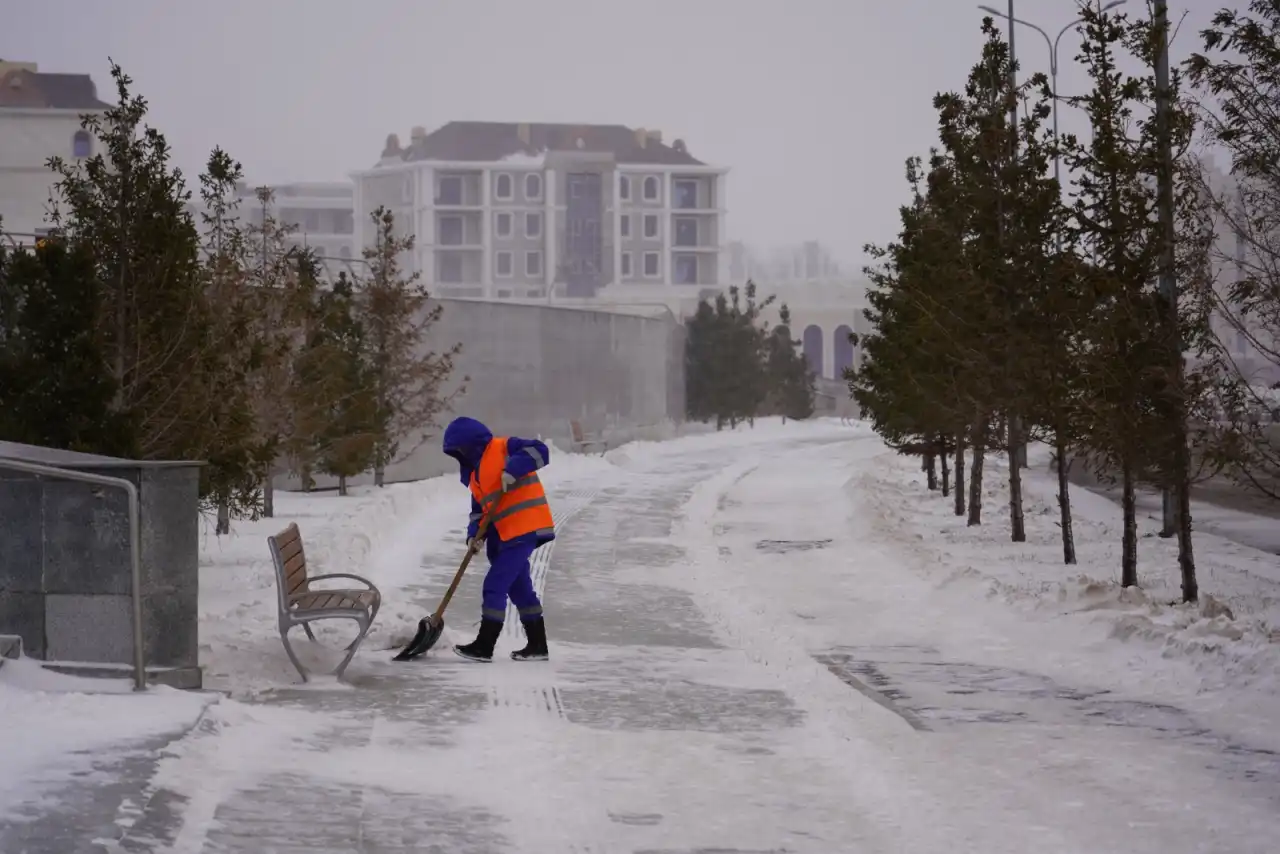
(431,626)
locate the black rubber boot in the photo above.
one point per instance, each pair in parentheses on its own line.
(481,649)
(536,649)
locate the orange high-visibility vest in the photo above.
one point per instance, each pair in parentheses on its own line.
(523,509)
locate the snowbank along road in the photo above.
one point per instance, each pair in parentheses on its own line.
(746,657)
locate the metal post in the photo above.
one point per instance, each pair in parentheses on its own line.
(1168,281)
(135,544)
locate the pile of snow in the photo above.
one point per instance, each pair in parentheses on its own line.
(58,728)
(1231,636)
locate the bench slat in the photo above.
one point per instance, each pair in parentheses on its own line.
(327,601)
(295,573)
(289,548)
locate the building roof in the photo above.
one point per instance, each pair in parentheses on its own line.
(488,142)
(21,87)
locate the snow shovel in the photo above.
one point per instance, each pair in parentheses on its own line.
(432,626)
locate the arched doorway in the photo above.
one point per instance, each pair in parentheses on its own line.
(813,349)
(843,350)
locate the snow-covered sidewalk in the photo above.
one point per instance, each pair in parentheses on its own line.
(772,639)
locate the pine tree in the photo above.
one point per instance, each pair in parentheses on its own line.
(1135,389)
(127,207)
(409,381)
(790,380)
(1238,73)
(726,376)
(54,387)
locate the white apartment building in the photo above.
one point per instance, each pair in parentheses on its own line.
(571,214)
(39,118)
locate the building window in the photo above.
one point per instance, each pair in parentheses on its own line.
(81,144)
(685,270)
(650,225)
(451,231)
(406,191)
(344,251)
(449,190)
(624,188)
(652,265)
(686,231)
(651,189)
(626,265)
(533,225)
(449,268)
(503,265)
(686,192)
(311,220)
(533,186)
(502,224)
(502,186)
(624,225)
(533,264)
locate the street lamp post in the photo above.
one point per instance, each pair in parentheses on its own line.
(1053,66)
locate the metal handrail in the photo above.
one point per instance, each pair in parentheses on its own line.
(135,529)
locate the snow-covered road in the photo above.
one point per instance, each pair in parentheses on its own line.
(748,655)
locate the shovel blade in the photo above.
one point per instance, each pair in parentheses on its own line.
(429,631)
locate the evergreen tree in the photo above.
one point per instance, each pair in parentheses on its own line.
(335,393)
(790,381)
(1133,418)
(1238,72)
(154,322)
(54,390)
(396,315)
(726,375)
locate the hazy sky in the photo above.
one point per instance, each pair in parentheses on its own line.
(813,104)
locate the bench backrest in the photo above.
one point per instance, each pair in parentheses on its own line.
(290,563)
(575,428)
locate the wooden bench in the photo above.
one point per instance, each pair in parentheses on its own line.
(301,604)
(581,442)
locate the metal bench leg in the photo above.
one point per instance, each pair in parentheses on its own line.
(372,615)
(306,627)
(351,650)
(288,649)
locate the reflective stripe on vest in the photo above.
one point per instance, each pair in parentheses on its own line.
(523,509)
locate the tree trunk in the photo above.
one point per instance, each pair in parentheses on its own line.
(342,484)
(269,496)
(224,519)
(1186,554)
(1129,542)
(1017,524)
(959,503)
(930,466)
(1064,500)
(946,471)
(379,474)
(975,474)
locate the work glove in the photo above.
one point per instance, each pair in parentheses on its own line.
(508,480)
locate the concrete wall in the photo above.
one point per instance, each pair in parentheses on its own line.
(534,368)
(65,572)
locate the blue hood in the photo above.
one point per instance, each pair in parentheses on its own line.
(465,440)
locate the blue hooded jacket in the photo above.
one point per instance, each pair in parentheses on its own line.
(465,439)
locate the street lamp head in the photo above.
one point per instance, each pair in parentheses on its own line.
(1113,4)
(991,11)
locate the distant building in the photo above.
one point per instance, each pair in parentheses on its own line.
(321,213)
(554,212)
(805,262)
(39,118)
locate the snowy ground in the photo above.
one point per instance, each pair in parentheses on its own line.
(773,640)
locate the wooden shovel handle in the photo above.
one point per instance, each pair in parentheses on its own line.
(466,559)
